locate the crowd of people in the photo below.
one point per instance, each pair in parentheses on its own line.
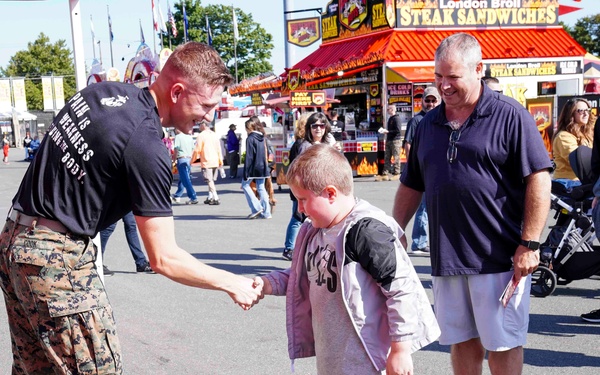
(354,299)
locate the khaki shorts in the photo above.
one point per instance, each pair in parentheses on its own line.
(468,306)
(210,174)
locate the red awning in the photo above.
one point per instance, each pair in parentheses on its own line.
(420,45)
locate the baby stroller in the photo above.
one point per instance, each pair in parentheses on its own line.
(568,253)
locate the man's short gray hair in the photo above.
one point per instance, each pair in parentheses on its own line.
(461,44)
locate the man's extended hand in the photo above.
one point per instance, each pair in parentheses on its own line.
(248,293)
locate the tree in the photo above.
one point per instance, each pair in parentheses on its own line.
(253,47)
(42,58)
(587,33)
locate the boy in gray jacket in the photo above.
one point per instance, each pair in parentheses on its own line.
(354,299)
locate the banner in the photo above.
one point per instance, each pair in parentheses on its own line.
(47,93)
(533,68)
(476,13)
(18,86)
(5,102)
(59,93)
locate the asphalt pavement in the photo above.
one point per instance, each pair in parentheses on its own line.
(168,328)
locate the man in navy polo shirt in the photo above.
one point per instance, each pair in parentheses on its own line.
(484,167)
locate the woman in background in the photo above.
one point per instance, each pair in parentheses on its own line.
(296,220)
(575,128)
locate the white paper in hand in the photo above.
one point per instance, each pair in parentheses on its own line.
(509,291)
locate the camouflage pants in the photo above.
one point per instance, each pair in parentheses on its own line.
(59,316)
(392,150)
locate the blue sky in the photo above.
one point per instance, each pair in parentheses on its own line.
(23,21)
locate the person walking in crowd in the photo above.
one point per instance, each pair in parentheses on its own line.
(183,149)
(431,99)
(233,151)
(5,147)
(208,149)
(350,270)
(296,219)
(133,241)
(393,145)
(257,170)
(271,165)
(483,165)
(64,323)
(26,142)
(575,128)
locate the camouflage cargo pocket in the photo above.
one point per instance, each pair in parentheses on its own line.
(77,302)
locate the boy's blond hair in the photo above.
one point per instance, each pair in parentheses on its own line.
(319,166)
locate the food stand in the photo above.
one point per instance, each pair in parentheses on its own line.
(361,150)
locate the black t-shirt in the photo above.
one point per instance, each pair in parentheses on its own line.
(102,157)
(394,128)
(337,129)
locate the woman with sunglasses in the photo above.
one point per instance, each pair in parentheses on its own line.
(575,128)
(317,130)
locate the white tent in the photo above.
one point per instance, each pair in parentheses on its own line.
(21,115)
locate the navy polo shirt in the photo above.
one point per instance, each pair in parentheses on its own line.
(476,203)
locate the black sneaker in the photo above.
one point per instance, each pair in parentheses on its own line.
(107,272)
(207,201)
(145,268)
(287,254)
(592,316)
(214,202)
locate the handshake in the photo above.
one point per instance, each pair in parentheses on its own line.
(250,291)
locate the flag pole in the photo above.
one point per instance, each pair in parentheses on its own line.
(110,38)
(184,22)
(154,22)
(93,37)
(235,38)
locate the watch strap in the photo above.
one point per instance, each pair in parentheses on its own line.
(531,245)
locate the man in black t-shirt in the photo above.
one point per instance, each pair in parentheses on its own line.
(103,156)
(337,126)
(393,145)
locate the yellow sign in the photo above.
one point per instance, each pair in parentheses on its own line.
(47,94)
(476,13)
(303,32)
(256,99)
(366,146)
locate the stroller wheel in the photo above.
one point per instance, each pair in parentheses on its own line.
(543,282)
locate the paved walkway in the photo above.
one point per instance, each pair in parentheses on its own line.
(166,328)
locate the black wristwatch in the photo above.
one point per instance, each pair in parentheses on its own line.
(531,245)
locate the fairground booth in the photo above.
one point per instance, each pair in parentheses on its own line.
(376,52)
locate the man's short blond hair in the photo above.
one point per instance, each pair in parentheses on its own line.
(319,166)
